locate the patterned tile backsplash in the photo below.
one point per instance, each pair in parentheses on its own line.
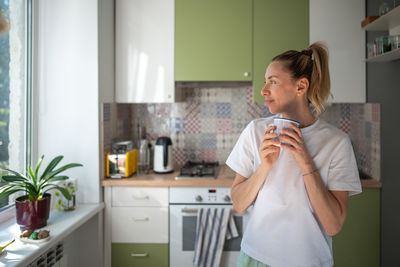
(207,125)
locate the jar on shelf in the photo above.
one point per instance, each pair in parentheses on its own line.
(384,8)
(394,41)
(379,45)
(383,45)
(387,46)
(371,47)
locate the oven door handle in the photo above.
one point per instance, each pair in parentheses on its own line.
(187,210)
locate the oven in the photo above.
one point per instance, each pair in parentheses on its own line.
(184,205)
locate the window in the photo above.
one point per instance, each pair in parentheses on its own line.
(15,70)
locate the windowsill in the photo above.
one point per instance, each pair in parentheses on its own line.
(60,225)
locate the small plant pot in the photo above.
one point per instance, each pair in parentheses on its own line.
(32,214)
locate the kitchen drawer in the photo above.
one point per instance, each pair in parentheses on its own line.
(139,196)
(149,255)
(139,225)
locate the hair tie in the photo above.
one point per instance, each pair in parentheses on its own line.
(307,52)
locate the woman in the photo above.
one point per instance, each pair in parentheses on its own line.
(299,189)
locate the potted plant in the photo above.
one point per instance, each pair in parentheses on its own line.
(33,208)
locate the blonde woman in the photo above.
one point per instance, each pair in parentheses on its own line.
(299,190)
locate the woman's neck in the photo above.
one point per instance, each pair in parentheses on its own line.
(304,116)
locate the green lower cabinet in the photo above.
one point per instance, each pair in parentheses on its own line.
(141,255)
(358,243)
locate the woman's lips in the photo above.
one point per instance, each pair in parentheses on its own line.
(268,101)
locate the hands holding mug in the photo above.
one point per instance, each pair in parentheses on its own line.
(284,133)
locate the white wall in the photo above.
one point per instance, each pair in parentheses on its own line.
(67,89)
(338,23)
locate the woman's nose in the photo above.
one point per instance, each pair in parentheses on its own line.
(265,91)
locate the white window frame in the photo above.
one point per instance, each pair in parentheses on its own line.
(20,92)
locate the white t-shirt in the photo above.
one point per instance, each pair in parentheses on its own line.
(283,229)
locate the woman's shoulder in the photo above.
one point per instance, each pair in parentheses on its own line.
(331,132)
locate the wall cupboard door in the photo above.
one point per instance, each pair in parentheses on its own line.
(144,51)
(278,26)
(337,23)
(213,40)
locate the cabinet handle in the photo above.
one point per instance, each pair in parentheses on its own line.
(139,254)
(246,74)
(145,219)
(141,197)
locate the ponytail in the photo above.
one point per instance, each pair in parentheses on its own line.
(312,64)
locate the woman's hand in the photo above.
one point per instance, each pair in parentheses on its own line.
(297,147)
(269,147)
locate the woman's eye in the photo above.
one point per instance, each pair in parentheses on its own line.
(272,82)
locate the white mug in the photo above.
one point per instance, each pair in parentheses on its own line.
(283,123)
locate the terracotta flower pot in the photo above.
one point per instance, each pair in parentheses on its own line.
(32,214)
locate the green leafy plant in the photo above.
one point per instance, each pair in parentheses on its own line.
(33,184)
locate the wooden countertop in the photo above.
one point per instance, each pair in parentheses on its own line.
(224,179)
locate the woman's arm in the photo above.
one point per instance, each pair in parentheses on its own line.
(245,190)
(329,206)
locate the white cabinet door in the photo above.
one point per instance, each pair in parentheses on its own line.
(144,62)
(338,23)
(140,196)
(139,225)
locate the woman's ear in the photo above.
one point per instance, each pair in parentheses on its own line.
(302,86)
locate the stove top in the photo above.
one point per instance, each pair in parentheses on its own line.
(199,169)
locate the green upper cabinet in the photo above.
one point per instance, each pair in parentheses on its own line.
(213,40)
(278,26)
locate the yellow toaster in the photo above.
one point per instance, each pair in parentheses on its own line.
(121,165)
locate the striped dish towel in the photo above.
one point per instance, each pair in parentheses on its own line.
(214,225)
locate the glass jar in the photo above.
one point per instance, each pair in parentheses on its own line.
(384,8)
(371,50)
(394,41)
(144,158)
(383,45)
(379,45)
(387,46)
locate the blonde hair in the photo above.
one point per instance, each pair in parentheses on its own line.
(311,63)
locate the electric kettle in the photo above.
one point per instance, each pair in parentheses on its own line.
(163,159)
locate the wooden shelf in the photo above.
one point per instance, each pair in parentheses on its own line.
(388,56)
(384,23)
(370,183)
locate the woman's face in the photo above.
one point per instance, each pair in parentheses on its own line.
(279,90)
